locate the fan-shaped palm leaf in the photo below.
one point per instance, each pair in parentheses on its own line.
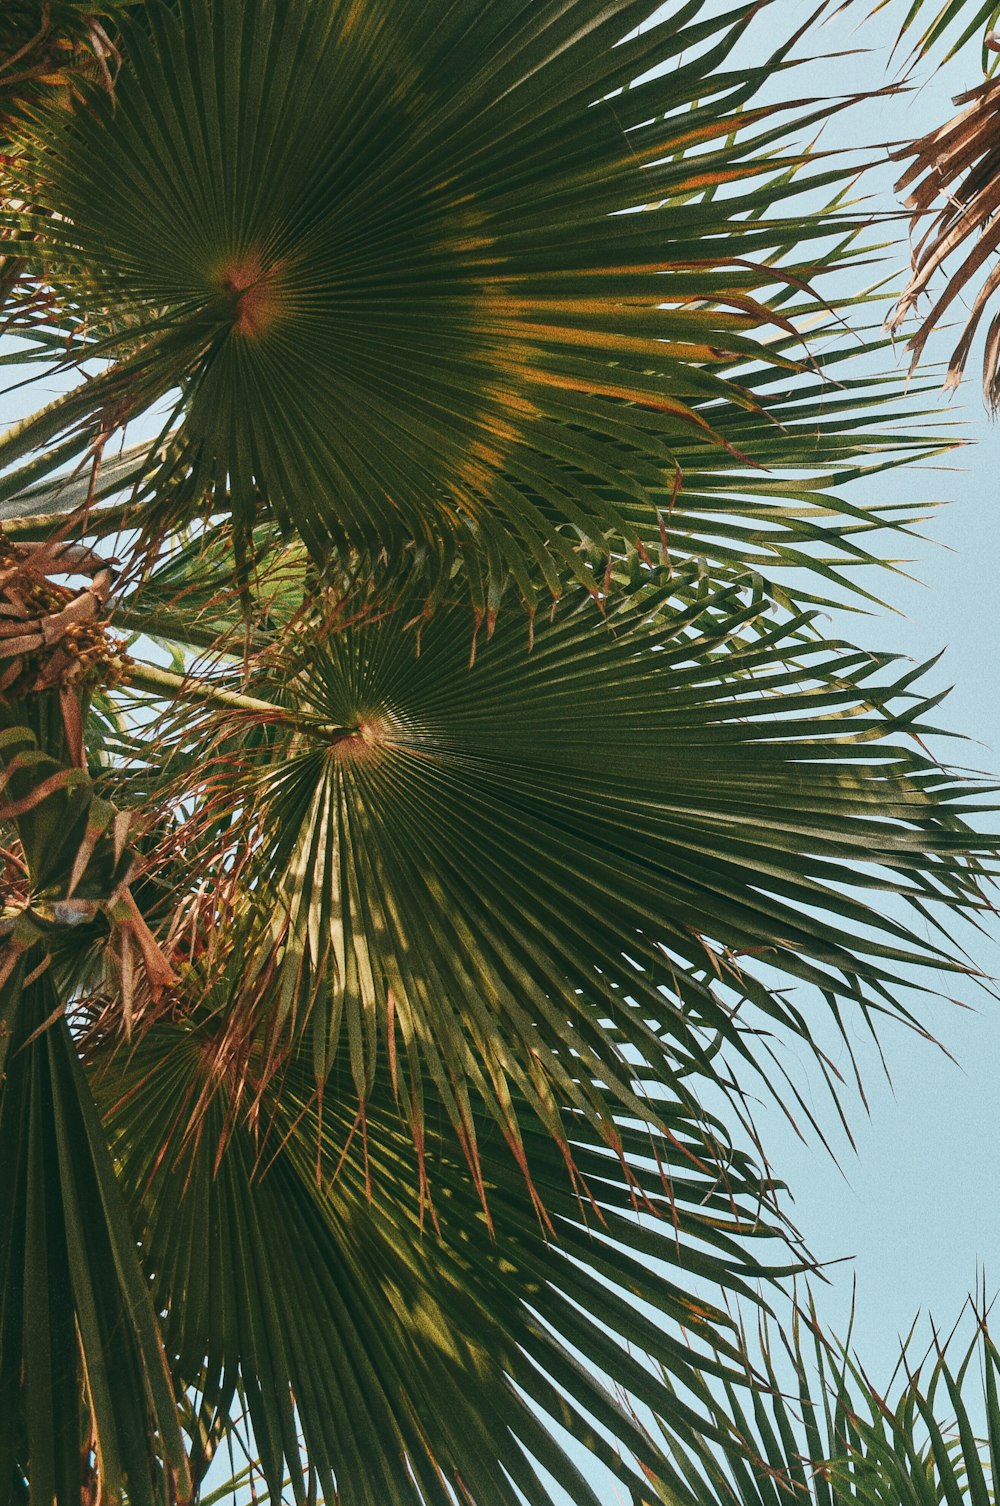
(396,275)
(503,874)
(412,1151)
(784,504)
(356,1291)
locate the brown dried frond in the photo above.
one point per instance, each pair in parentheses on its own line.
(45,47)
(215,1007)
(15,884)
(959,164)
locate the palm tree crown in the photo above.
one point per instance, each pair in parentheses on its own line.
(428,789)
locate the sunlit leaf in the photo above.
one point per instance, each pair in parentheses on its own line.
(570,860)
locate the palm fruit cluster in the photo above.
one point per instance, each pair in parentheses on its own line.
(52,635)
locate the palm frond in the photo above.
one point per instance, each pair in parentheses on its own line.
(474,308)
(367,1095)
(954,21)
(48,49)
(86,1398)
(50,46)
(382,1329)
(85,1393)
(565,862)
(811,1426)
(954,196)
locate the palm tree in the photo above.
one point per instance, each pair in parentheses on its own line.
(428,788)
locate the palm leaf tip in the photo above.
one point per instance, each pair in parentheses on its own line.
(436,322)
(810,1425)
(949,22)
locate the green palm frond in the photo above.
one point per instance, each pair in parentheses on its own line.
(382,981)
(191,600)
(953,21)
(85,1392)
(381,1327)
(811,1426)
(400,287)
(563,861)
(804,500)
(39,511)
(84,1384)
